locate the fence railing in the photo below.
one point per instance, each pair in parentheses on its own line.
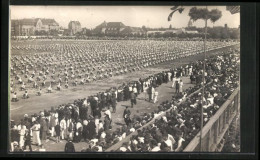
(216,127)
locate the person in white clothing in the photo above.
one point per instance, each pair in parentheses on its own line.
(173,81)
(169,76)
(36,133)
(63,127)
(49,89)
(156,148)
(22,133)
(155,96)
(181,86)
(153,91)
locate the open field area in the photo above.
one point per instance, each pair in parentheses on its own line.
(35,103)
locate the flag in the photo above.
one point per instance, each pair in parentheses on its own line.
(233,9)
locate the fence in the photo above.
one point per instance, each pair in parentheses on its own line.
(215,129)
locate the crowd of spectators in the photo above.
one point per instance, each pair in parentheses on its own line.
(179,126)
(82,120)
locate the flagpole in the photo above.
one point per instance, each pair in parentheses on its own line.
(203,84)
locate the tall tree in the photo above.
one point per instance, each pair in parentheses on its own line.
(203,14)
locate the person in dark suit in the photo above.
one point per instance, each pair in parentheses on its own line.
(126,116)
(27,142)
(57,131)
(113,102)
(177,87)
(133,99)
(69,147)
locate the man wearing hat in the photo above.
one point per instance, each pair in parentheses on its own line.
(69,147)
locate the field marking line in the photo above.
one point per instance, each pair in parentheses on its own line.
(16,108)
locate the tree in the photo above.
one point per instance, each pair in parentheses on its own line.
(215,15)
(174,9)
(204,14)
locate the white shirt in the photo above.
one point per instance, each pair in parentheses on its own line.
(170,137)
(180,142)
(99,148)
(78,125)
(132,130)
(100,125)
(122,149)
(103,135)
(96,122)
(108,113)
(63,124)
(169,143)
(141,139)
(153,90)
(134,90)
(94,140)
(156,149)
(123,135)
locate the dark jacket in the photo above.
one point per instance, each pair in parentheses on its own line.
(57,130)
(132,96)
(69,147)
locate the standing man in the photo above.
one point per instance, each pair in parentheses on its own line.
(63,127)
(177,87)
(57,132)
(113,102)
(69,147)
(180,86)
(149,92)
(155,96)
(126,116)
(27,138)
(173,81)
(133,99)
(152,92)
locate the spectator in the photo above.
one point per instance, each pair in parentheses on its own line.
(57,132)
(133,99)
(69,146)
(27,141)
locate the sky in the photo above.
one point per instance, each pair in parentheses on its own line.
(135,16)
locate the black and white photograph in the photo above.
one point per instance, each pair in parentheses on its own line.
(120,78)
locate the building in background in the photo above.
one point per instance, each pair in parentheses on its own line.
(74,27)
(33,26)
(116,28)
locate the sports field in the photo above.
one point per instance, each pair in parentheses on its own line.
(35,104)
